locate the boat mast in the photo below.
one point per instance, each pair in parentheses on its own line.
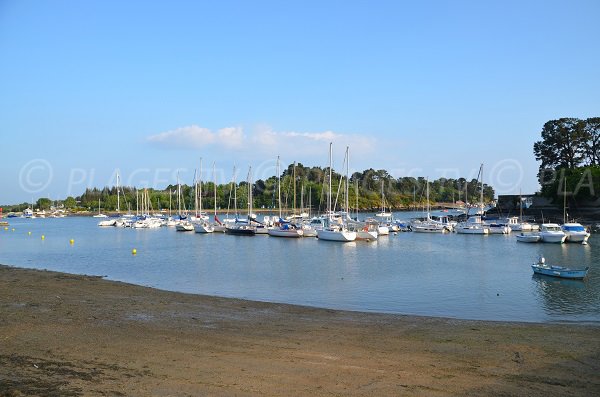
(234,194)
(428,209)
(249,184)
(279,186)
(356,186)
(200,189)
(118,195)
(565,201)
(215,187)
(294,201)
(347,180)
(481,198)
(520,207)
(329,196)
(309,200)
(195,195)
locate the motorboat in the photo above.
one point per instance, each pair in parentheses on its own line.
(473,225)
(498,228)
(575,232)
(558,271)
(552,233)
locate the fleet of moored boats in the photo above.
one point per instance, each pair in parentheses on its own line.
(339,226)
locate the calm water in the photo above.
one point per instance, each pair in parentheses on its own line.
(451,275)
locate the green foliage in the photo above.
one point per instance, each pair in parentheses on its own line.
(569,152)
(44,203)
(310,187)
(70,202)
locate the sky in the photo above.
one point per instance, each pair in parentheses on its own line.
(146,89)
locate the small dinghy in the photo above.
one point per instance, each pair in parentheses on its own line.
(558,271)
(528,238)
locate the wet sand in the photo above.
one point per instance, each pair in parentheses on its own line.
(68,335)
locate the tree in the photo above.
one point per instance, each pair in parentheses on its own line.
(592,133)
(44,203)
(563,144)
(70,202)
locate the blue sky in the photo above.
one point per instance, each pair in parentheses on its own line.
(431,88)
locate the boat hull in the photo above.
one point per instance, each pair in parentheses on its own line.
(528,238)
(472,230)
(241,231)
(577,237)
(289,233)
(336,235)
(203,228)
(366,235)
(559,271)
(553,238)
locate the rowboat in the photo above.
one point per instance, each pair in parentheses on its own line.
(558,271)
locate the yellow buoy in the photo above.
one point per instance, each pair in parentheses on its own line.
(72,241)
(13,229)
(133,251)
(29,233)
(6,228)
(43,237)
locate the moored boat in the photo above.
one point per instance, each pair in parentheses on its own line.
(558,271)
(575,233)
(552,233)
(528,238)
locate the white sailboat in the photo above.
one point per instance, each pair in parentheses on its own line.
(100,214)
(334,231)
(474,224)
(183,224)
(283,229)
(201,224)
(243,227)
(384,218)
(430,225)
(217,225)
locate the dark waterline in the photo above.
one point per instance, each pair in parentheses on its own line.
(458,276)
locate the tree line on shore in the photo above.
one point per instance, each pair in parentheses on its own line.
(301,186)
(569,152)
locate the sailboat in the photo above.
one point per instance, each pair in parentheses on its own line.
(474,224)
(366,230)
(241,227)
(217,226)
(429,225)
(183,225)
(99,214)
(283,228)
(201,225)
(335,231)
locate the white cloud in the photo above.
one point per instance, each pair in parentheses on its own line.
(195,137)
(263,143)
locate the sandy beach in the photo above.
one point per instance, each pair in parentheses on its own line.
(69,335)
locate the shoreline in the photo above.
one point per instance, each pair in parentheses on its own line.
(69,335)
